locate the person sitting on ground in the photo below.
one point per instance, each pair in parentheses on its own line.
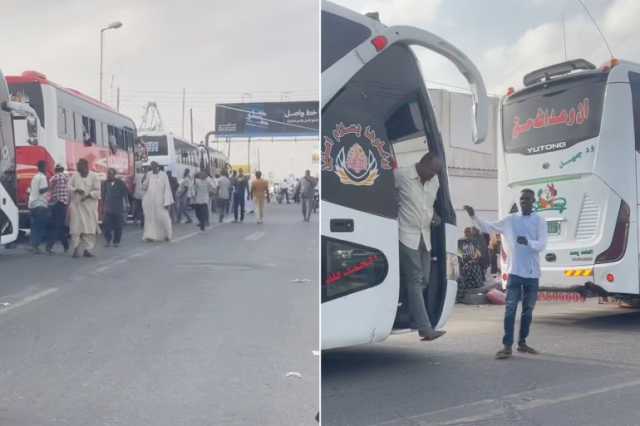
(471,275)
(524,235)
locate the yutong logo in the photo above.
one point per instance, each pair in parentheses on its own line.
(546,148)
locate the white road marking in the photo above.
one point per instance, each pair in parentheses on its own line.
(255,236)
(520,406)
(29,299)
(185,237)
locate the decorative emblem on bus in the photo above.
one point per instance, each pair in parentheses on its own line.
(355,154)
(547,199)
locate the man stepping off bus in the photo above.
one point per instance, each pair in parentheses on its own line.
(417,188)
(524,236)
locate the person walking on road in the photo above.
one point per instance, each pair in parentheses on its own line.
(83,209)
(223,195)
(58,205)
(260,192)
(156,203)
(138,194)
(240,187)
(524,236)
(114,199)
(201,189)
(173,183)
(39,207)
(417,187)
(185,195)
(306,192)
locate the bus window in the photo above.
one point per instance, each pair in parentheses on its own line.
(32,94)
(556,116)
(634,80)
(350,268)
(128,139)
(62,122)
(80,129)
(88,131)
(339,37)
(406,131)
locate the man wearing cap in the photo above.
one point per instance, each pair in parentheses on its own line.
(58,205)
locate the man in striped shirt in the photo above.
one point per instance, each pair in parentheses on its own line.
(58,204)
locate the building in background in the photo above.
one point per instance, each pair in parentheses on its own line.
(472,168)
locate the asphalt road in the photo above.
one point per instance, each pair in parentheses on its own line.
(588,374)
(200,331)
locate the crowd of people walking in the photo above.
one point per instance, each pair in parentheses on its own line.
(68,208)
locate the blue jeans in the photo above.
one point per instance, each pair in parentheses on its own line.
(238,204)
(527,290)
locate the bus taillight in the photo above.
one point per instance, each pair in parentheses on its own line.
(379,43)
(607,66)
(618,244)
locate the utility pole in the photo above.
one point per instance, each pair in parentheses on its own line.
(564,38)
(118,99)
(183,105)
(249,155)
(191,120)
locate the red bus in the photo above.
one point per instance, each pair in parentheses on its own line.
(69,126)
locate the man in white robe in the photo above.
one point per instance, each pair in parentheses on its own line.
(156,203)
(83,209)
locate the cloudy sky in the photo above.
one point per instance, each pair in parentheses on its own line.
(507,38)
(218,50)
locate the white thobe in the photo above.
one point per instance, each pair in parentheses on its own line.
(157,198)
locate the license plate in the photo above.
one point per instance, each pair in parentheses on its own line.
(560,297)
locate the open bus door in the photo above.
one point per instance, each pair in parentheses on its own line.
(8,188)
(376,114)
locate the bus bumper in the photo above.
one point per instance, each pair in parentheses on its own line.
(590,281)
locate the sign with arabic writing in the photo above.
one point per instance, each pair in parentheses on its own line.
(268,119)
(555,117)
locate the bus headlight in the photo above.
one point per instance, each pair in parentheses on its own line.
(453,269)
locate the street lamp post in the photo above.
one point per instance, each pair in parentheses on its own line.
(111,26)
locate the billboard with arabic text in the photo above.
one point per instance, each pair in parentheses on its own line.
(267,119)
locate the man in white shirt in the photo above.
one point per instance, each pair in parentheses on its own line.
(524,236)
(38,207)
(417,188)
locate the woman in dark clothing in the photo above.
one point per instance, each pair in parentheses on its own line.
(471,271)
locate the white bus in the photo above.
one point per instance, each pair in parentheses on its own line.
(572,134)
(175,155)
(376,115)
(8,183)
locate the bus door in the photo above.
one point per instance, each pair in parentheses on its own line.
(8,207)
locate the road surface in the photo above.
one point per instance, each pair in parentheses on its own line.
(588,374)
(200,331)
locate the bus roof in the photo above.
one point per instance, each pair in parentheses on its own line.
(39,78)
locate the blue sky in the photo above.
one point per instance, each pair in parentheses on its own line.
(508,38)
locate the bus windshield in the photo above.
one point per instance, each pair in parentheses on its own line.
(553,116)
(30,93)
(156,145)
